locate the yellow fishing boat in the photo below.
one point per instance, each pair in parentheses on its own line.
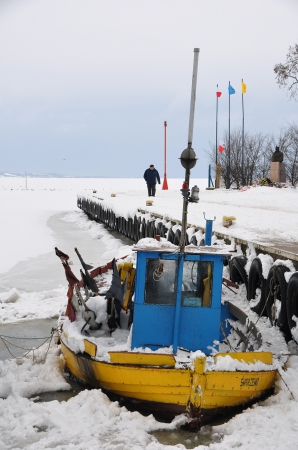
(152,384)
(164,362)
(149,330)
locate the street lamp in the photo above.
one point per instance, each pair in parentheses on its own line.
(188,157)
(188,161)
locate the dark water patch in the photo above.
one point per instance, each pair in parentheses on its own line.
(205,436)
(61,396)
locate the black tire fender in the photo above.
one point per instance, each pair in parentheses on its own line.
(147,228)
(237,270)
(135,225)
(139,229)
(276,276)
(125,227)
(158,228)
(177,237)
(151,229)
(143,229)
(118,224)
(187,242)
(171,235)
(292,301)
(256,281)
(164,231)
(193,240)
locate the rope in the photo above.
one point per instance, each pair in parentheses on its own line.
(229,288)
(23,338)
(280,371)
(157,274)
(226,337)
(2,337)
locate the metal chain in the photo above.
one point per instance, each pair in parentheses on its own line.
(26,349)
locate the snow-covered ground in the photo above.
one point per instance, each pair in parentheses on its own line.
(265,215)
(33,222)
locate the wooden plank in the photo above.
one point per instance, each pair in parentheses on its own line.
(146,359)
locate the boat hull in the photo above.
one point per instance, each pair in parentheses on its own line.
(167,391)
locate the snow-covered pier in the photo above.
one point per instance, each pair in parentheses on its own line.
(265,218)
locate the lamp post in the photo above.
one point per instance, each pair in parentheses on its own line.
(188,157)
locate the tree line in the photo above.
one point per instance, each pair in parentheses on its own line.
(258,150)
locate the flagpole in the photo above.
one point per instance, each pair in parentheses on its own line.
(242,152)
(216,127)
(229,149)
(165,181)
(217,159)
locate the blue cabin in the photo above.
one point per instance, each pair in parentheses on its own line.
(178,300)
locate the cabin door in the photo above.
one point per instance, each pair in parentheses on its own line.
(177,302)
(155,301)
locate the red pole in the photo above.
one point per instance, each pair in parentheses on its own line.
(165,183)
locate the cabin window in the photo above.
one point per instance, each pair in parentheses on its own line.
(197,283)
(161,281)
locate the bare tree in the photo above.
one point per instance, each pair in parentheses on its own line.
(258,151)
(254,148)
(287,73)
(255,157)
(292,156)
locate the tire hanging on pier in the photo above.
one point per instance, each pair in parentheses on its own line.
(151,229)
(256,281)
(143,230)
(125,228)
(193,240)
(163,231)
(187,242)
(237,270)
(276,291)
(292,302)
(171,235)
(177,237)
(159,228)
(139,229)
(135,229)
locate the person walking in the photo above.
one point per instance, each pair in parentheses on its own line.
(150,176)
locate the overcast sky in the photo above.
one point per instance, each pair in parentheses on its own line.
(86,85)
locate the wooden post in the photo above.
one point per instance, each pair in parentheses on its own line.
(165,181)
(217,181)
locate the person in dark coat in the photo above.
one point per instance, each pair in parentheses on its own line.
(150,176)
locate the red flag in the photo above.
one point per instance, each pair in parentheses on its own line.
(70,312)
(61,255)
(218,92)
(221,148)
(70,276)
